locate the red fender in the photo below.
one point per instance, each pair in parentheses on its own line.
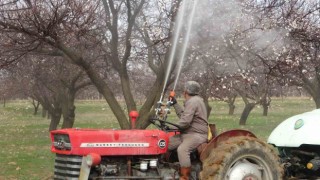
(213,143)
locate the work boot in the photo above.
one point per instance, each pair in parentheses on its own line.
(185,173)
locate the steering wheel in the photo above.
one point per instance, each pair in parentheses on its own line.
(165,125)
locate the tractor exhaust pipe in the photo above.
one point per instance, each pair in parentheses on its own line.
(133,116)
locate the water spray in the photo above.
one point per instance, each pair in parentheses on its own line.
(185,44)
(177,32)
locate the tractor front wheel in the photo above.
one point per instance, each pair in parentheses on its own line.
(242,158)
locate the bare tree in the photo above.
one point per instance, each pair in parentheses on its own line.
(68,27)
(51,82)
(297,61)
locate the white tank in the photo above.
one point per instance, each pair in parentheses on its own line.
(297,130)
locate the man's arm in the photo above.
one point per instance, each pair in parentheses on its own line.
(187,115)
(178,109)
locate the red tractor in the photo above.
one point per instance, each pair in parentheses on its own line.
(142,154)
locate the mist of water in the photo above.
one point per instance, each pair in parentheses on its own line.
(218,23)
(185,43)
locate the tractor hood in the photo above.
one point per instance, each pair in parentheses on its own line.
(109,142)
(297,130)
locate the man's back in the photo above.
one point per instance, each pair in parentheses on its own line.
(193,117)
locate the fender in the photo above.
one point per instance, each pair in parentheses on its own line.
(221,138)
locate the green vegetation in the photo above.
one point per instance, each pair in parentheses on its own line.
(260,125)
(25,143)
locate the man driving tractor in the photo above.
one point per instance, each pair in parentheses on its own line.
(193,124)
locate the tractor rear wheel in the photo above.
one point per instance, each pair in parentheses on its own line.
(242,158)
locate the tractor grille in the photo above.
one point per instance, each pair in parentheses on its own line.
(67,167)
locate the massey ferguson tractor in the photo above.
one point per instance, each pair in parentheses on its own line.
(143,154)
(298,141)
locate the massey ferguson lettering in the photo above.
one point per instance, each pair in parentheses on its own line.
(114,145)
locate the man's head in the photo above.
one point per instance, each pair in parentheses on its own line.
(192,88)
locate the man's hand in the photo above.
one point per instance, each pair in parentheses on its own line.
(172,101)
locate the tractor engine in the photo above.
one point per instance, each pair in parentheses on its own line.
(302,162)
(120,153)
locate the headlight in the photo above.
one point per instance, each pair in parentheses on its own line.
(61,141)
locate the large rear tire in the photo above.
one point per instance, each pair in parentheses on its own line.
(242,158)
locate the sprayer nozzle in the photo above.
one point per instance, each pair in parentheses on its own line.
(172,93)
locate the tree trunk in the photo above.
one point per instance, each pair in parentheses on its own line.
(265,109)
(68,110)
(44,112)
(35,112)
(232,107)
(49,115)
(265,102)
(317,101)
(36,106)
(209,108)
(313,88)
(100,84)
(126,89)
(231,100)
(4,102)
(245,114)
(69,117)
(55,119)
(146,110)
